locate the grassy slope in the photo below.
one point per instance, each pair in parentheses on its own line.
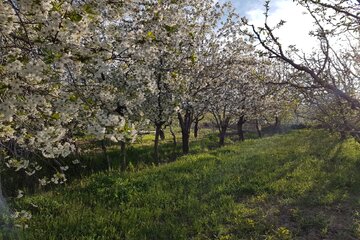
(301,185)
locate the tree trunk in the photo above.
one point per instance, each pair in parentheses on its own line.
(240,130)
(223,128)
(277,124)
(258,128)
(173,136)
(123,160)
(162,134)
(185,142)
(185,124)
(104,149)
(196,128)
(156,144)
(222,137)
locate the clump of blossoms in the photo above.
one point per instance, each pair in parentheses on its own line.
(60,65)
(22,218)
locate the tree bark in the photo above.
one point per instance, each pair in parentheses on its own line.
(196,128)
(173,136)
(240,130)
(277,124)
(185,124)
(185,142)
(196,125)
(162,134)
(223,128)
(258,129)
(222,137)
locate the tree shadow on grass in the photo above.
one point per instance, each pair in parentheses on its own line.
(327,207)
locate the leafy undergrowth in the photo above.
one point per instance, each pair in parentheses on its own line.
(302,185)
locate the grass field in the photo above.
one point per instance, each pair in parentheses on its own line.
(301,185)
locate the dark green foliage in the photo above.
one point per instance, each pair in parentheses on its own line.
(303,185)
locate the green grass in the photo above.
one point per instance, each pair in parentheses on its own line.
(140,154)
(302,185)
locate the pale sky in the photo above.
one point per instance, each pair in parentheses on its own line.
(296,29)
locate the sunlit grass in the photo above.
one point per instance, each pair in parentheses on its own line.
(302,185)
